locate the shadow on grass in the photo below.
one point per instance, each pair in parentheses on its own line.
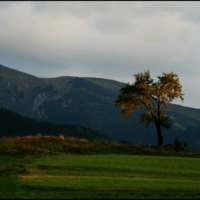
(43,192)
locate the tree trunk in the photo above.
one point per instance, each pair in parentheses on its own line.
(160,138)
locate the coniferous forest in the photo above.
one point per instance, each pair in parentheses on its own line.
(13,124)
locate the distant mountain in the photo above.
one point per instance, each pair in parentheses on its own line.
(13,124)
(89,102)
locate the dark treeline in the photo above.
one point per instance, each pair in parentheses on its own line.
(13,124)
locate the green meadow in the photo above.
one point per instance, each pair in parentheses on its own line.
(59,168)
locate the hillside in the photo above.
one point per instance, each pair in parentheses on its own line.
(89,102)
(13,124)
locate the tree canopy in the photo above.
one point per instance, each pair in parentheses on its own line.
(144,92)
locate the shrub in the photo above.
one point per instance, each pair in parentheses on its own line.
(178,145)
(39,135)
(62,137)
(185,144)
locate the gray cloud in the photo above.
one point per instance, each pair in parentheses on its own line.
(103,39)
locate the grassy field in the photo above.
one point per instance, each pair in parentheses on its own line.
(39,168)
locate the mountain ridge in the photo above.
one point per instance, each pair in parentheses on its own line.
(88,102)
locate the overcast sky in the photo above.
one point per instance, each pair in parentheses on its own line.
(112,40)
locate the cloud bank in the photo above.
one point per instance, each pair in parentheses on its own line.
(111,40)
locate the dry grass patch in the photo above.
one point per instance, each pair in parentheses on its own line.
(37,137)
(84,140)
(114,144)
(33,145)
(29,136)
(71,139)
(25,146)
(62,137)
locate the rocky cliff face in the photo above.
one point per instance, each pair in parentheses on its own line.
(40,99)
(30,102)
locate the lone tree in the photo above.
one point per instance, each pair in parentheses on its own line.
(152,95)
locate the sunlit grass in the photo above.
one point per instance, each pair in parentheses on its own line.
(70,176)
